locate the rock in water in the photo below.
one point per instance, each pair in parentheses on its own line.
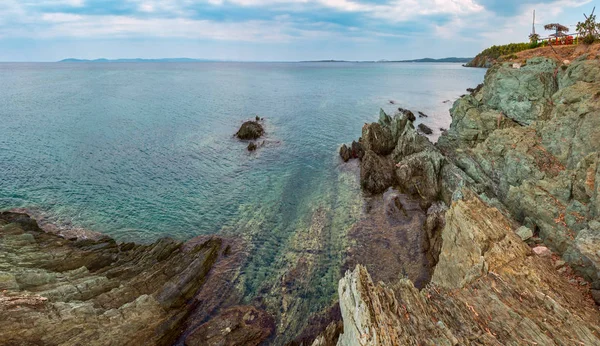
(345,153)
(425,129)
(422,115)
(250,130)
(357,150)
(409,115)
(251,146)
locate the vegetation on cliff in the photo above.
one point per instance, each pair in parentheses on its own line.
(490,55)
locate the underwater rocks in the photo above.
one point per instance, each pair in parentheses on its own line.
(99,292)
(239,325)
(250,130)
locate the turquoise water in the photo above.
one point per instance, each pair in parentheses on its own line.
(145,150)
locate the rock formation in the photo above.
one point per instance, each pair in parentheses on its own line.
(250,130)
(57,291)
(511,192)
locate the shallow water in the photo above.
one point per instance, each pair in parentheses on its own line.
(141,151)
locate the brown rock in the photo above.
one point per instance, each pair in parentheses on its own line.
(235,326)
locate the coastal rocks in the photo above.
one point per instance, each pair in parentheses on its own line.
(521,150)
(377,138)
(505,296)
(408,114)
(345,153)
(521,94)
(251,146)
(376,172)
(355,151)
(250,130)
(425,129)
(422,115)
(235,326)
(59,291)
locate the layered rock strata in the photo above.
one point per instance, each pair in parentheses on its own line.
(57,291)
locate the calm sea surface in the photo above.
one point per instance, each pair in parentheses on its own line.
(144,150)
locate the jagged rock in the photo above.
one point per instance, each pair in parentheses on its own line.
(425,129)
(250,130)
(432,240)
(99,292)
(521,94)
(376,172)
(419,173)
(345,153)
(357,150)
(513,298)
(378,139)
(235,326)
(580,71)
(524,233)
(408,114)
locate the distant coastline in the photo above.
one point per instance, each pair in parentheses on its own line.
(102,60)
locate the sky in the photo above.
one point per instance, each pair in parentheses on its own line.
(271,30)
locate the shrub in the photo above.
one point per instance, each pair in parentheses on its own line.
(588,29)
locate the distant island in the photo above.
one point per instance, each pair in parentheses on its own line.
(452,59)
(139,60)
(456,60)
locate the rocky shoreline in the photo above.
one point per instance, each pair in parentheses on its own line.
(489,236)
(517,254)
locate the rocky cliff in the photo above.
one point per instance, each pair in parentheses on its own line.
(516,180)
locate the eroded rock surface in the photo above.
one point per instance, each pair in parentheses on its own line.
(494,292)
(56,291)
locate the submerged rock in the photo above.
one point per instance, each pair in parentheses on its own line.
(524,233)
(250,130)
(251,146)
(236,326)
(422,115)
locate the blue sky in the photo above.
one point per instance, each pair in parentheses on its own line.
(270,30)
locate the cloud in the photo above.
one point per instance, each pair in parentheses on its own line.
(474,24)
